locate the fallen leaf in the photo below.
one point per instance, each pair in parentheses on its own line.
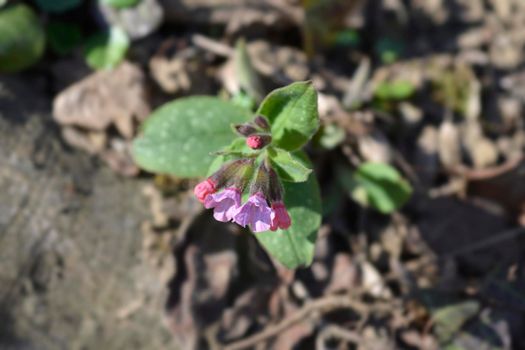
(104,98)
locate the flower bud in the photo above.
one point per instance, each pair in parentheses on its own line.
(235,173)
(203,189)
(244,129)
(280,217)
(276,188)
(261,183)
(262,122)
(258,141)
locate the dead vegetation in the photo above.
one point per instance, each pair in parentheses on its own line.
(435,88)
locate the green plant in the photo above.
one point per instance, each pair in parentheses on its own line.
(121,3)
(107,50)
(22,41)
(376,185)
(262,166)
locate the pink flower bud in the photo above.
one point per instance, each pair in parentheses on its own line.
(254,142)
(255,212)
(280,217)
(203,189)
(258,141)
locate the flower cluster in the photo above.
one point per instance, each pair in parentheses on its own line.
(264,210)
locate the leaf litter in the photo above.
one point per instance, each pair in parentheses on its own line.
(447,114)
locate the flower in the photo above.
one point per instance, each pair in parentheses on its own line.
(255,212)
(225,203)
(280,218)
(203,189)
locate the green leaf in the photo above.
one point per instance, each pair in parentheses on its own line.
(378,185)
(121,3)
(179,137)
(395,90)
(448,320)
(288,166)
(294,247)
(22,38)
(3,2)
(107,50)
(292,113)
(57,6)
(63,37)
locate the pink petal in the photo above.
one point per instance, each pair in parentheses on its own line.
(225,203)
(255,213)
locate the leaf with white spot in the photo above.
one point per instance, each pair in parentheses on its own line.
(179,137)
(292,113)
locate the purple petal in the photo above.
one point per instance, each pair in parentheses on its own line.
(260,226)
(225,204)
(255,213)
(243,214)
(262,219)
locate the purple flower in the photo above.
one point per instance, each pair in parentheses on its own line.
(255,212)
(225,203)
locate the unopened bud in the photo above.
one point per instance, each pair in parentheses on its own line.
(261,183)
(276,188)
(281,219)
(244,129)
(262,122)
(235,173)
(203,189)
(258,141)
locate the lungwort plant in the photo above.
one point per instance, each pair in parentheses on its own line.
(255,173)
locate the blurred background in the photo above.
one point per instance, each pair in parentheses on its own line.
(95,254)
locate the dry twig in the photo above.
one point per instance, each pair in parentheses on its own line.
(334,331)
(319,306)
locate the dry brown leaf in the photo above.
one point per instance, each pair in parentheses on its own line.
(92,142)
(344,274)
(118,157)
(373,282)
(182,72)
(482,150)
(283,64)
(236,14)
(375,147)
(449,145)
(104,98)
